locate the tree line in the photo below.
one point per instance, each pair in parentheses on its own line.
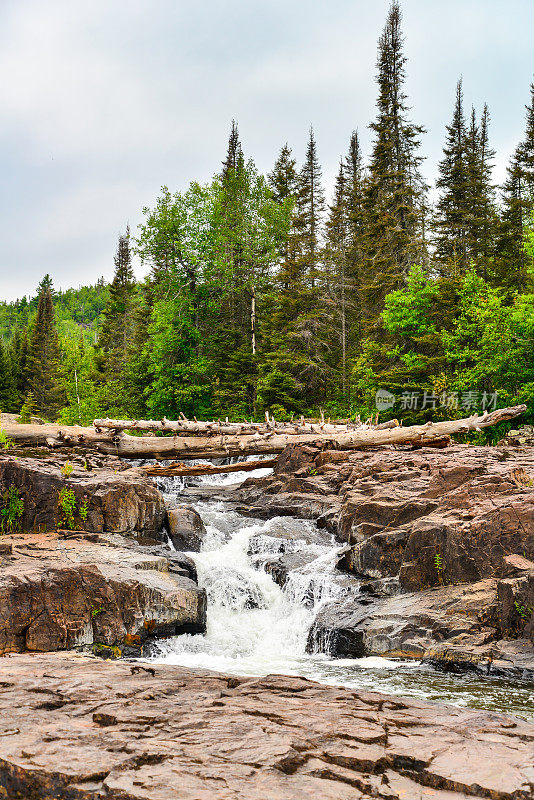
(260,296)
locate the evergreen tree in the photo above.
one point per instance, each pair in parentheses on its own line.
(356,232)
(116,333)
(336,253)
(466,210)
(43,360)
(8,389)
(451,251)
(310,213)
(44,285)
(234,154)
(283,181)
(393,187)
(518,203)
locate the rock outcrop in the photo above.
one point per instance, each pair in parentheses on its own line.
(73,728)
(93,590)
(430,526)
(107,498)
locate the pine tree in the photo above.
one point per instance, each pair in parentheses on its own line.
(394,185)
(8,389)
(43,360)
(451,250)
(518,204)
(310,213)
(116,333)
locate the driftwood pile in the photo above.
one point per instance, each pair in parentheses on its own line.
(193,439)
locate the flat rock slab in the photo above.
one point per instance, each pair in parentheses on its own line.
(73,728)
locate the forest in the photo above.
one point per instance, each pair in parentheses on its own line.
(261,296)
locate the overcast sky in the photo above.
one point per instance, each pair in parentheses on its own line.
(102,102)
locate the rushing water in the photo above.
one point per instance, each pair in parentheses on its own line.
(255,627)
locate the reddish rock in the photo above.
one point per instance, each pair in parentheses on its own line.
(56,594)
(117,499)
(73,728)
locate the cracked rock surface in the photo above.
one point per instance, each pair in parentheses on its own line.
(77,728)
(92,590)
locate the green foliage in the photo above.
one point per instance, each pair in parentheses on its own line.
(67,469)
(83,511)
(28,410)
(12,510)
(523,611)
(5,441)
(44,359)
(67,508)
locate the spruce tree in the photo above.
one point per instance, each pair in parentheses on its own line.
(466,209)
(394,184)
(518,204)
(283,181)
(356,232)
(451,251)
(43,360)
(310,213)
(336,252)
(8,389)
(116,333)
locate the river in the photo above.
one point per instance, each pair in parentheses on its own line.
(256,628)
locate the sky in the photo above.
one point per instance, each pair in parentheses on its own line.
(103,102)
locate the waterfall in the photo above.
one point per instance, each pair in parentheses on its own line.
(254,626)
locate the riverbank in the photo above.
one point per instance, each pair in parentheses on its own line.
(75,728)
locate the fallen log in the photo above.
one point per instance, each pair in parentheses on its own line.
(177,468)
(185,427)
(119,443)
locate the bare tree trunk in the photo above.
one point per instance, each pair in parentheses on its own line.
(178,468)
(120,444)
(253,319)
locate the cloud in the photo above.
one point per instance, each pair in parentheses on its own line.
(101,103)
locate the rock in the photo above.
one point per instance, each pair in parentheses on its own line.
(519,438)
(125,501)
(280,567)
(407,624)
(58,594)
(186,529)
(401,509)
(73,728)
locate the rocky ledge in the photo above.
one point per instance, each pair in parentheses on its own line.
(95,493)
(441,542)
(76,728)
(99,591)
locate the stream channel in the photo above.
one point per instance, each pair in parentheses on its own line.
(255,627)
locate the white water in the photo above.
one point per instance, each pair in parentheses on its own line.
(254,627)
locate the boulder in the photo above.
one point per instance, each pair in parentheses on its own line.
(74,727)
(60,593)
(186,529)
